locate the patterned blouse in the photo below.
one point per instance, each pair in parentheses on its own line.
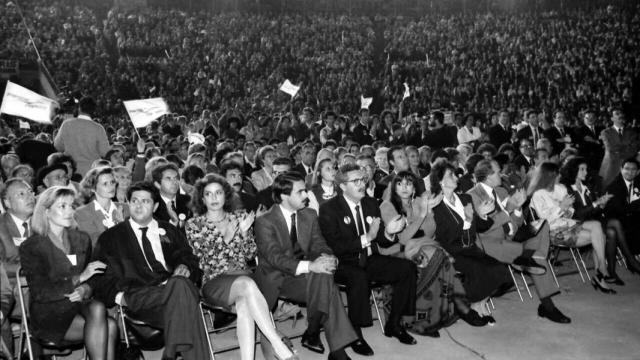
(216,256)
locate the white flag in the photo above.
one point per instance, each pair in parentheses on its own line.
(195,138)
(406,91)
(143,112)
(289,88)
(20,101)
(365,102)
(24,124)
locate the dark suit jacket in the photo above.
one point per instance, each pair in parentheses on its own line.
(182,207)
(126,266)
(300,169)
(584,210)
(449,229)
(618,207)
(339,227)
(48,270)
(361,135)
(526,133)
(8,250)
(591,150)
(553,134)
(520,161)
(275,251)
(441,138)
(265,197)
(499,136)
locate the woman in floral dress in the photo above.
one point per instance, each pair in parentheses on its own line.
(224,243)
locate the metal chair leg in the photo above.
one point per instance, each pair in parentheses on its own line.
(515,283)
(573,255)
(124,326)
(553,272)
(621,259)
(381,320)
(583,264)
(526,285)
(206,331)
(491,301)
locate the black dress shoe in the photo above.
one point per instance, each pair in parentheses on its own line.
(424,332)
(361,347)
(613,279)
(490,320)
(554,315)
(528,265)
(312,342)
(473,318)
(400,334)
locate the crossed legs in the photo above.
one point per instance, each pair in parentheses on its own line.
(98,331)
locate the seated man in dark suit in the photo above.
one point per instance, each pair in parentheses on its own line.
(18,200)
(501,132)
(558,134)
(625,206)
(173,206)
(351,224)
(295,262)
(151,270)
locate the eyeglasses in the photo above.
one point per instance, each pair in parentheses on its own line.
(358,181)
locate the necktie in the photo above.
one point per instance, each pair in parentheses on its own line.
(561,132)
(173,206)
(620,132)
(25,225)
(362,260)
(535,136)
(154,264)
(293,236)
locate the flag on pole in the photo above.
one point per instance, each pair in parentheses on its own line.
(289,88)
(365,102)
(143,112)
(406,91)
(20,101)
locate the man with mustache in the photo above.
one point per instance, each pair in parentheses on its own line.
(352,227)
(232,171)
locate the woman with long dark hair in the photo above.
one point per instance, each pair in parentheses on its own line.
(588,206)
(552,202)
(440,293)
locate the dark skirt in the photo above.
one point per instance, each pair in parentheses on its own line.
(482,274)
(51,321)
(217,291)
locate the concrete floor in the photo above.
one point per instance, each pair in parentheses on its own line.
(603,327)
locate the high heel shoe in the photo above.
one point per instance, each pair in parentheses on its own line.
(294,354)
(598,283)
(473,318)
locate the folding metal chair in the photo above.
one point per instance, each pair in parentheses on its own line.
(151,340)
(62,348)
(373,286)
(515,283)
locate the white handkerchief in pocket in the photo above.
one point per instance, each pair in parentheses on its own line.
(73,259)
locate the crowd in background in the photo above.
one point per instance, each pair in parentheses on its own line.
(508,118)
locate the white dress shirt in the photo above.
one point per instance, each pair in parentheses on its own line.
(19,223)
(153,235)
(364,242)
(303,265)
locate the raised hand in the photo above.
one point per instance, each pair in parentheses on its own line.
(396,225)
(247,222)
(486,207)
(373,229)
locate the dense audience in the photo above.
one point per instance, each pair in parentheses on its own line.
(517,139)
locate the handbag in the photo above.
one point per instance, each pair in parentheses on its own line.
(530,229)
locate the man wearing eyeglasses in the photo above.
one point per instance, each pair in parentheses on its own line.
(352,227)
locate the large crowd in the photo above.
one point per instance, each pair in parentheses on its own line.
(518,138)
